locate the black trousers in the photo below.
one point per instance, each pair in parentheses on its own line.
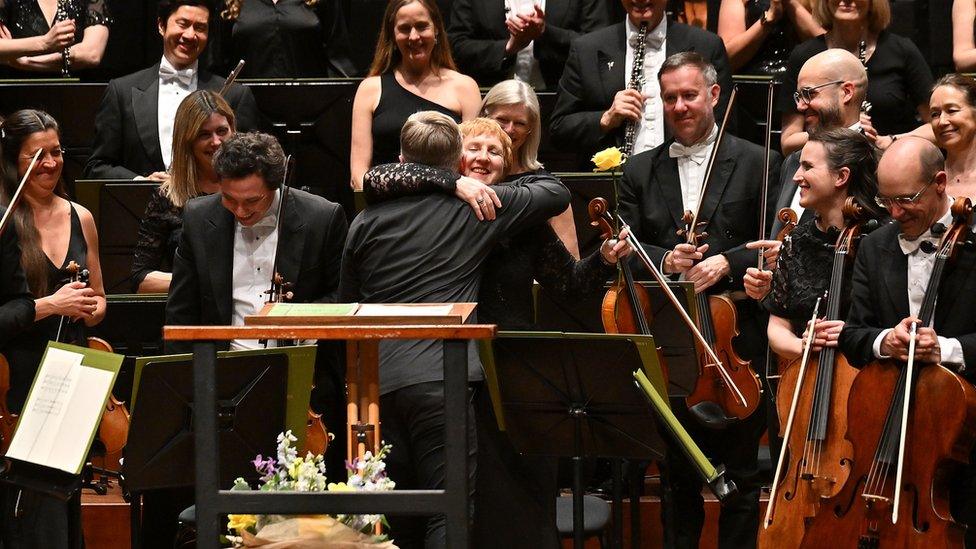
(32,520)
(413,422)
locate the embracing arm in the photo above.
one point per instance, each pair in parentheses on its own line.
(361,152)
(963,46)
(84,55)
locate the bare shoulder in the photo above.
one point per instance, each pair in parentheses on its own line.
(461,82)
(369,87)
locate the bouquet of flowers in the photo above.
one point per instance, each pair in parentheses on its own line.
(289,472)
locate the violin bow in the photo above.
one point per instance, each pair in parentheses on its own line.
(231,77)
(16,198)
(767,154)
(711,163)
(807,346)
(639,250)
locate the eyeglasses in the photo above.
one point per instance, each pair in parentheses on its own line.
(55,154)
(807,93)
(902,201)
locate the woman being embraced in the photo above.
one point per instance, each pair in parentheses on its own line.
(412,71)
(203,121)
(835,164)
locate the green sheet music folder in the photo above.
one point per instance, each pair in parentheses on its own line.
(64,406)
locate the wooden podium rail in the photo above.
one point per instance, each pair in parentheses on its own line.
(211,501)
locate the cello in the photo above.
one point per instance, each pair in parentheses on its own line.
(817,457)
(897,494)
(637,299)
(727,390)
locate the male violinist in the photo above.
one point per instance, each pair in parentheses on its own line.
(134,124)
(224,260)
(891,272)
(658,186)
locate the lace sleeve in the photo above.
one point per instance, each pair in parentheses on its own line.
(559,272)
(777,302)
(154,232)
(390,181)
(98,13)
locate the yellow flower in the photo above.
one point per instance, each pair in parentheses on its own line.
(339,487)
(607,159)
(241,522)
(293,470)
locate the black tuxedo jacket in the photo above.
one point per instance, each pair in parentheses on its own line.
(127,124)
(594,73)
(16,302)
(649,199)
(879,297)
(478,37)
(313,234)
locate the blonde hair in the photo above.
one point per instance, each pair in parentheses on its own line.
(879,14)
(487,126)
(233,8)
(192,114)
(431,138)
(515,92)
(387,54)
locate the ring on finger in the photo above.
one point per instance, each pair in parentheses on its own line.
(480,201)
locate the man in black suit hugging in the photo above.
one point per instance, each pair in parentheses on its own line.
(224,259)
(134,124)
(657,187)
(594,102)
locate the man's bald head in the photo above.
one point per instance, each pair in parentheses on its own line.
(913,167)
(844,98)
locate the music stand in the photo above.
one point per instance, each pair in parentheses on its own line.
(572,395)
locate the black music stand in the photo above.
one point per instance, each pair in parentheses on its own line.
(251,396)
(572,395)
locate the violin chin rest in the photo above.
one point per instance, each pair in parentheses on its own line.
(711,415)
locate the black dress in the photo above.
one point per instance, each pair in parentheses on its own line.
(159,233)
(43,521)
(395,106)
(25,19)
(774,53)
(803,274)
(507,480)
(287,39)
(899,80)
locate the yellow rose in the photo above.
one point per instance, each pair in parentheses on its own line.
(241,522)
(340,487)
(607,159)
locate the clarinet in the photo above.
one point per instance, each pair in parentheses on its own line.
(62,15)
(636,83)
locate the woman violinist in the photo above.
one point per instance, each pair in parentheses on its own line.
(53,232)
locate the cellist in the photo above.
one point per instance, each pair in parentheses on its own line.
(657,187)
(891,272)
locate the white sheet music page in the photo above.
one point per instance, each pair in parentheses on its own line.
(61,412)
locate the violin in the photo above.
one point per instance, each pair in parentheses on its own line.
(903,455)
(817,457)
(714,476)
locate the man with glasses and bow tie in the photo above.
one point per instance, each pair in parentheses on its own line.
(891,273)
(134,124)
(657,187)
(594,102)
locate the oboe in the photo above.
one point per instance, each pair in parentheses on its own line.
(636,83)
(62,15)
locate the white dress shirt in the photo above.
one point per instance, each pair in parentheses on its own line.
(692,162)
(920,265)
(526,65)
(174,86)
(650,128)
(254,250)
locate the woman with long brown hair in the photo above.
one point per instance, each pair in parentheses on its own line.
(203,121)
(412,71)
(53,233)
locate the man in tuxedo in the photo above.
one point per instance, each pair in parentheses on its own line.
(494,40)
(657,187)
(134,125)
(226,253)
(891,273)
(594,103)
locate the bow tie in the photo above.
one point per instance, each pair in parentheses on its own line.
(269,221)
(927,243)
(652,40)
(183,77)
(696,153)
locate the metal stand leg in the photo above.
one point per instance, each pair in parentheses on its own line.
(617,466)
(456,441)
(204,423)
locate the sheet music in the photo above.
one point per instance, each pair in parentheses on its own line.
(374,309)
(61,412)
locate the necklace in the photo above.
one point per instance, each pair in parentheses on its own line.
(862,52)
